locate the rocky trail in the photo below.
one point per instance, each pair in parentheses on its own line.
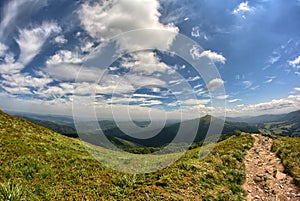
(265,179)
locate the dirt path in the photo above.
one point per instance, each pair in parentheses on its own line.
(265,179)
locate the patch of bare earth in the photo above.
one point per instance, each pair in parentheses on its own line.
(265,179)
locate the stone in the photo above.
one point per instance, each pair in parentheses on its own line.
(279,175)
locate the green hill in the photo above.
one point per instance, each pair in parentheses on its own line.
(39,164)
(168,133)
(287,125)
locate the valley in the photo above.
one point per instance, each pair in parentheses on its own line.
(39,164)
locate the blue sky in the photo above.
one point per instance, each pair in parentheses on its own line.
(255,47)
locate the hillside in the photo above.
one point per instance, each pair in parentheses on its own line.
(286,125)
(38,164)
(66,130)
(167,134)
(257,119)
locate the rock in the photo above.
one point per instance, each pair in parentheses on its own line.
(279,175)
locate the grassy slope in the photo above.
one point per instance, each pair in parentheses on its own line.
(49,166)
(288,150)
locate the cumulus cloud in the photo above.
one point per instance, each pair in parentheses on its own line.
(295,63)
(146,62)
(195,52)
(276,106)
(87,47)
(60,39)
(214,84)
(64,56)
(242,8)
(110,18)
(21,80)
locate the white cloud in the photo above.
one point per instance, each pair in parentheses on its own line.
(146,62)
(60,39)
(146,96)
(214,84)
(87,47)
(195,32)
(9,68)
(110,18)
(255,87)
(195,53)
(276,106)
(294,63)
(30,41)
(274,59)
(140,80)
(16,90)
(222,97)
(14,10)
(64,56)
(296,90)
(242,8)
(3,49)
(270,79)
(20,80)
(247,84)
(69,72)
(234,100)
(195,102)
(297,73)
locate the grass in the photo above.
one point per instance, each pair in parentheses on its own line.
(288,150)
(38,164)
(11,192)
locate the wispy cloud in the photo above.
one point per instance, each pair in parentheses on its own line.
(15,10)
(234,100)
(247,83)
(270,79)
(3,49)
(30,41)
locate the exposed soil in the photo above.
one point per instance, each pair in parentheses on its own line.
(265,179)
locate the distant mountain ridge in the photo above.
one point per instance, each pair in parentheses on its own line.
(286,125)
(257,119)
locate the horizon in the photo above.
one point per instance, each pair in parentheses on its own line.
(28,114)
(245,59)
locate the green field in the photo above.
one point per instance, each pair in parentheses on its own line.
(38,164)
(288,150)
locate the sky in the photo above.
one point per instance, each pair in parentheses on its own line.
(124,57)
